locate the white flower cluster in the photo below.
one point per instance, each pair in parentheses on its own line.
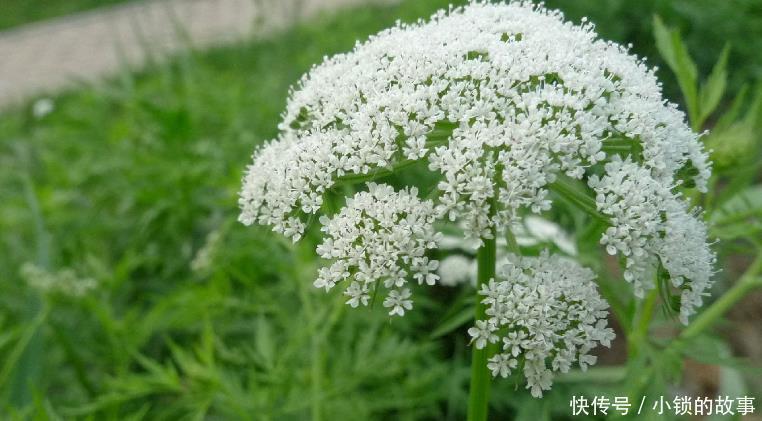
(64,282)
(500,100)
(379,235)
(548,315)
(651,225)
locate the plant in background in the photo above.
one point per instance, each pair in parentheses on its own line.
(511,108)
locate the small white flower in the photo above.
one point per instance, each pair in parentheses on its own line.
(492,291)
(563,360)
(539,378)
(358,294)
(586,360)
(415,148)
(398,301)
(424,270)
(513,341)
(482,333)
(501,365)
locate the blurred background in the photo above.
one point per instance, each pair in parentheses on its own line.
(129,291)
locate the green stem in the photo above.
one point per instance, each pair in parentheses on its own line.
(478,401)
(636,342)
(302,270)
(640,328)
(316,377)
(513,245)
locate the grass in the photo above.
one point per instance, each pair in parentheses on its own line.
(126,183)
(133,183)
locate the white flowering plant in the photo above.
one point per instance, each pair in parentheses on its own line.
(129,290)
(511,112)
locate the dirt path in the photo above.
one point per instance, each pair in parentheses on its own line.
(50,55)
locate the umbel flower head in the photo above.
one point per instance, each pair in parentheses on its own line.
(379,235)
(505,104)
(547,315)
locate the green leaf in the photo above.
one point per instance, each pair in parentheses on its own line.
(710,349)
(731,146)
(753,116)
(734,139)
(687,77)
(740,216)
(714,88)
(664,42)
(686,68)
(161,377)
(671,47)
(14,361)
(43,410)
(263,342)
(734,112)
(744,204)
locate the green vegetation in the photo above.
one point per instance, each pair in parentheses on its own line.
(707,26)
(133,185)
(18,12)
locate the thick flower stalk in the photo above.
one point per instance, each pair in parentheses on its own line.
(505,104)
